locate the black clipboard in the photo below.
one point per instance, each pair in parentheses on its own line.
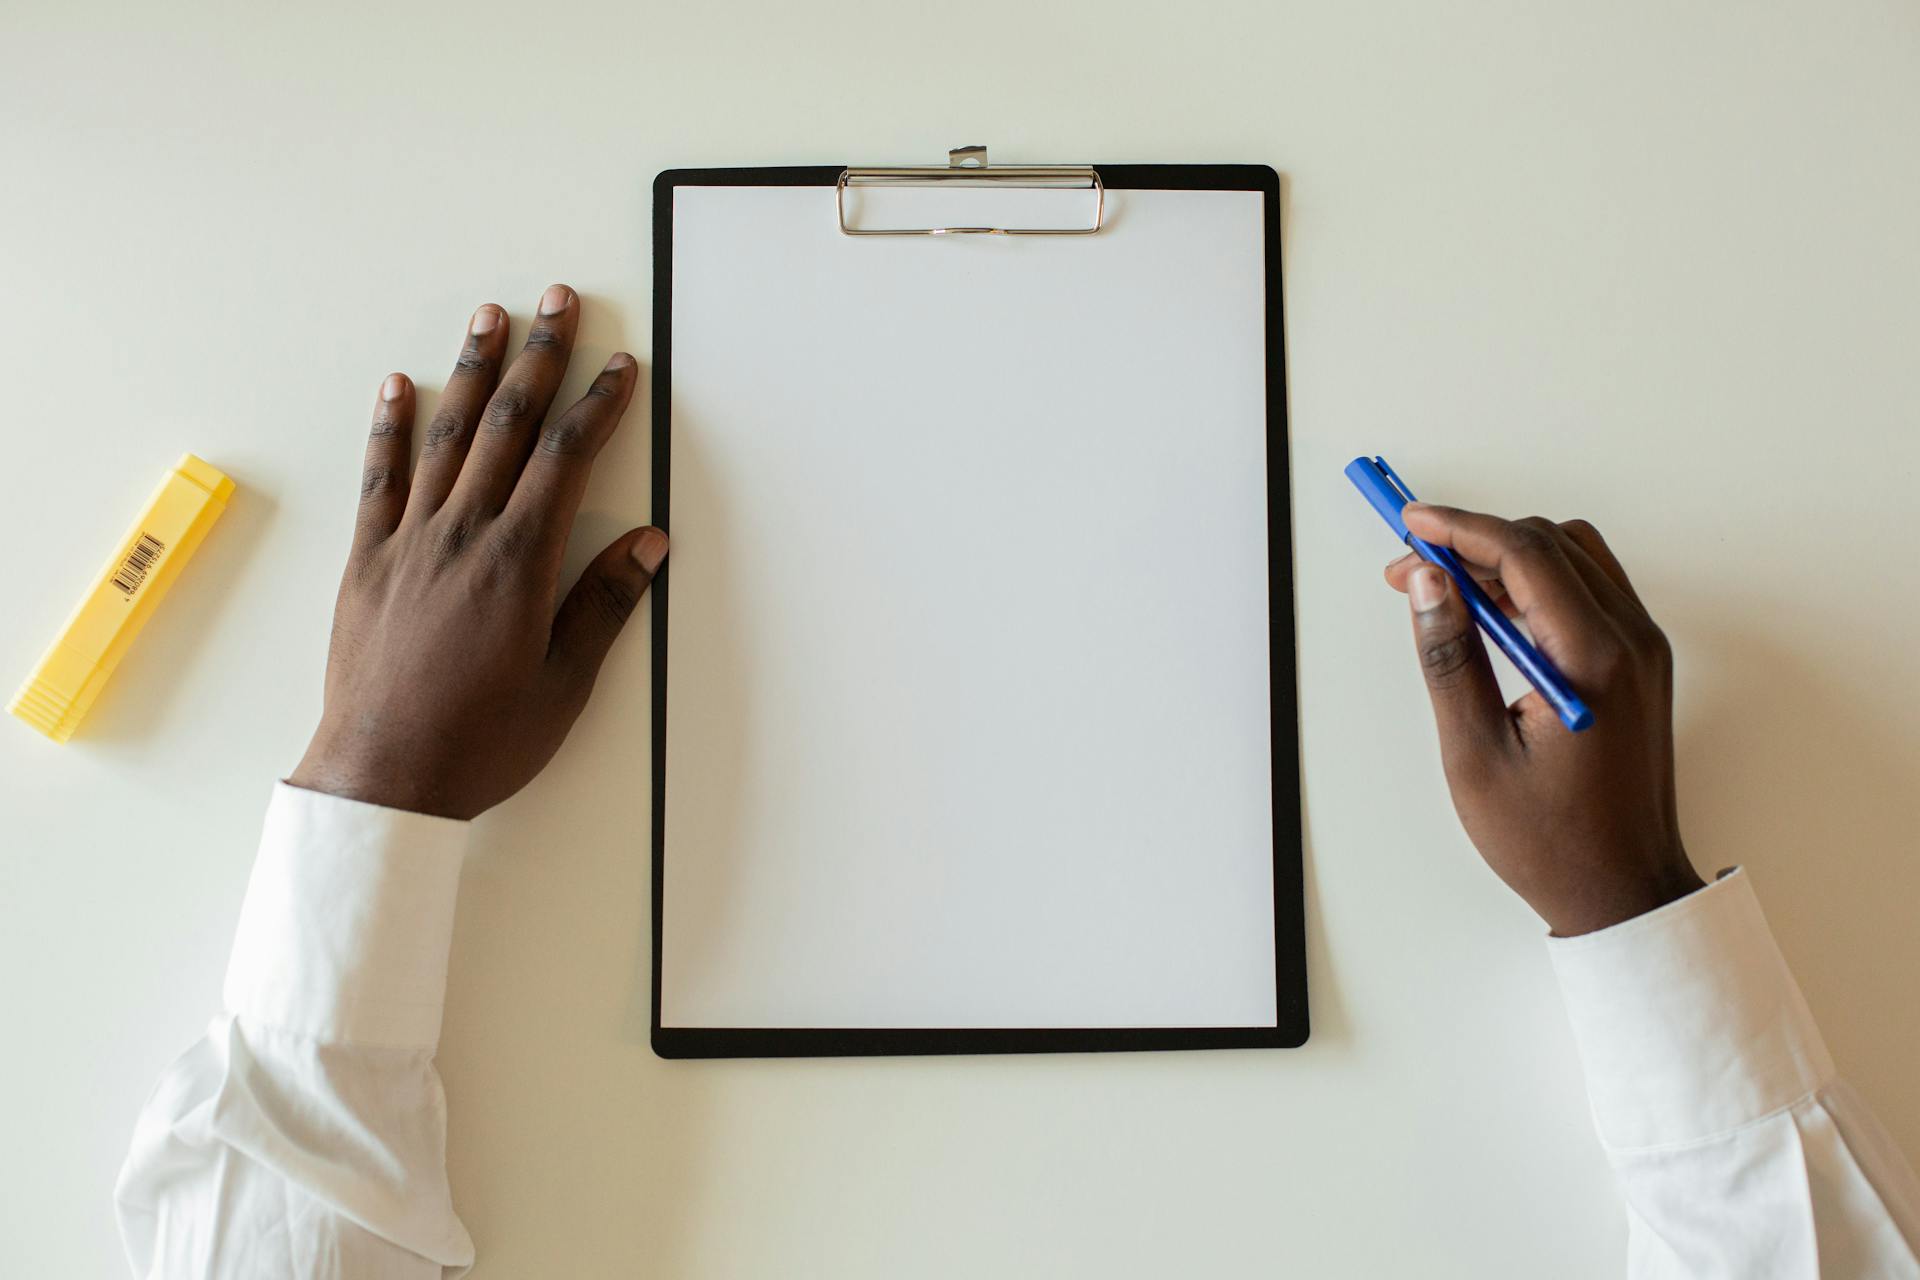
(1290,1022)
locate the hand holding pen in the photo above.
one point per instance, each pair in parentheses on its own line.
(1582,825)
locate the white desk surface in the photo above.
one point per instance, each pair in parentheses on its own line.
(1655,265)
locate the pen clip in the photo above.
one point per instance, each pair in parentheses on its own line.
(1393,478)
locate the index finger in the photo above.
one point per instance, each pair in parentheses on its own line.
(1543,584)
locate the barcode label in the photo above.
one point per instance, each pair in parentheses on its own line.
(133,570)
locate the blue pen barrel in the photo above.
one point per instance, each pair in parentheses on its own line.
(1388,494)
(1513,642)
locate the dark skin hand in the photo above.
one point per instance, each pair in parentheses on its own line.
(1583,826)
(456,668)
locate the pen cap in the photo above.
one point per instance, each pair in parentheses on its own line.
(1380,492)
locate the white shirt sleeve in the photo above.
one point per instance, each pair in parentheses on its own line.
(305,1135)
(1738,1150)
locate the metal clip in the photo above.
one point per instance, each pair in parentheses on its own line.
(967,166)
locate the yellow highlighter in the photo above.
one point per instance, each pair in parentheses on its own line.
(122,598)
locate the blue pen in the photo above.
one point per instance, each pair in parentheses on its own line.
(1388,494)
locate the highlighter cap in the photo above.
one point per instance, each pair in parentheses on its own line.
(209,477)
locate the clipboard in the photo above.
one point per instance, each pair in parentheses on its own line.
(758,296)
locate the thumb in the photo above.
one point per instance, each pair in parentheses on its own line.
(1467,706)
(601,602)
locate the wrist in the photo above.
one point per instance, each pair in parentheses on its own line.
(1601,902)
(356,773)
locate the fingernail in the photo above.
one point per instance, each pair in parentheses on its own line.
(649,550)
(485,320)
(555,300)
(1397,561)
(1413,506)
(620,360)
(1428,587)
(394,387)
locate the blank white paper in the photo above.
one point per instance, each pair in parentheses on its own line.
(967,685)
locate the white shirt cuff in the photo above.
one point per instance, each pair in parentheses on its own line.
(1688,1020)
(347,922)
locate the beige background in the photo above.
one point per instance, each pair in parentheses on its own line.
(1653,264)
